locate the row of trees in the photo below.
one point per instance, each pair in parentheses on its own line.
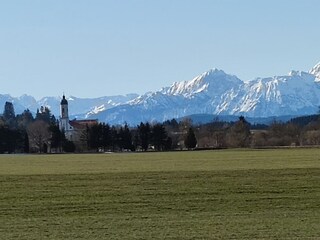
(301,131)
(24,133)
(173,135)
(144,137)
(13,134)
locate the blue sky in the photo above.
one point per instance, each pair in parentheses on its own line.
(96,48)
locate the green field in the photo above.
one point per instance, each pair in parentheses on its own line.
(225,194)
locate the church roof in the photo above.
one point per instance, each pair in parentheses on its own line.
(82,124)
(64,100)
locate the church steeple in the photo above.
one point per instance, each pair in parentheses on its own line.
(64,107)
(64,100)
(64,116)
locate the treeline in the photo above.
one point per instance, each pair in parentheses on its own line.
(103,137)
(173,135)
(25,133)
(302,131)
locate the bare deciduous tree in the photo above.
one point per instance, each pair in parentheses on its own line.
(39,135)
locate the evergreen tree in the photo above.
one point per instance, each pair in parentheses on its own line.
(9,115)
(24,119)
(44,114)
(11,140)
(57,137)
(106,136)
(4,138)
(168,144)
(113,138)
(95,137)
(68,146)
(53,120)
(190,140)
(26,146)
(8,112)
(144,132)
(125,138)
(159,137)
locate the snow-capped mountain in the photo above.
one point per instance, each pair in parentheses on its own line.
(213,83)
(316,71)
(200,95)
(215,92)
(17,102)
(297,93)
(78,107)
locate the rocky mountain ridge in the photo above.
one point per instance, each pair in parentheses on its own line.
(216,92)
(213,92)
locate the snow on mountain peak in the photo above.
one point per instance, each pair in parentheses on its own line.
(214,71)
(316,71)
(300,75)
(212,92)
(294,73)
(216,92)
(214,81)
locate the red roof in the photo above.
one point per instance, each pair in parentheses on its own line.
(82,124)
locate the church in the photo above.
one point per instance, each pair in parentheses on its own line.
(73,129)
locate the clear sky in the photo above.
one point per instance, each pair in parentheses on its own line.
(92,48)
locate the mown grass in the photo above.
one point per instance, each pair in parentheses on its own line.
(233,194)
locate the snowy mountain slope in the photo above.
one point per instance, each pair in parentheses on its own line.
(316,71)
(213,83)
(200,95)
(77,106)
(17,102)
(294,94)
(215,92)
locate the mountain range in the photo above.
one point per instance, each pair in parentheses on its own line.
(211,93)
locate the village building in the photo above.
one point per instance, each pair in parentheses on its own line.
(73,129)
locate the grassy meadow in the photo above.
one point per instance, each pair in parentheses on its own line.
(225,194)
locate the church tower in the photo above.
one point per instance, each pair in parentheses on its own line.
(64,116)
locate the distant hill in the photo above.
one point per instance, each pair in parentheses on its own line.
(305,120)
(207,118)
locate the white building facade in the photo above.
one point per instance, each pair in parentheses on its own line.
(64,123)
